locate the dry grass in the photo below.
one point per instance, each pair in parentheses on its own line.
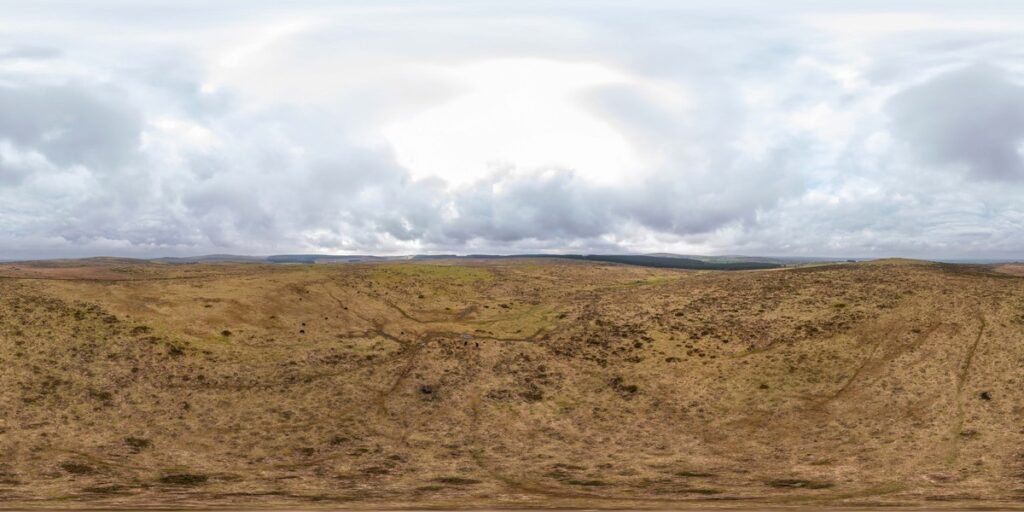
(509,383)
(1016,269)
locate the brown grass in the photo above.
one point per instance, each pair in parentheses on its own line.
(1016,269)
(509,384)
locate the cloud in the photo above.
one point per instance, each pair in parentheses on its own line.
(30,52)
(971,117)
(256,128)
(69,125)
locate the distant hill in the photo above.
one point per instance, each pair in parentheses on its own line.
(325,258)
(656,261)
(212,258)
(670,262)
(734,258)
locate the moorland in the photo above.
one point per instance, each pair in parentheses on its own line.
(510,383)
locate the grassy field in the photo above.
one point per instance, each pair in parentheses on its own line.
(510,383)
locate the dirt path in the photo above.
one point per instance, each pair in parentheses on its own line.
(873,364)
(953,451)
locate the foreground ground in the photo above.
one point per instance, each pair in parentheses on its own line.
(512,383)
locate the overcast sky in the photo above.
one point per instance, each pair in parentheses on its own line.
(143,128)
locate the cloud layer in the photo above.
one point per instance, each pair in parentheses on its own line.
(146,129)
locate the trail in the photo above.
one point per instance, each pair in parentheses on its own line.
(961,380)
(872,364)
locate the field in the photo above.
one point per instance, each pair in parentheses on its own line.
(510,383)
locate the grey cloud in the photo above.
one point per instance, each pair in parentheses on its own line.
(936,219)
(972,117)
(69,125)
(551,205)
(29,52)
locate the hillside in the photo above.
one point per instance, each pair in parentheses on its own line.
(657,261)
(510,383)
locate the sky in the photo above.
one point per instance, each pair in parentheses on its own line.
(802,128)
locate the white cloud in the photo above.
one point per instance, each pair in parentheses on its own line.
(518,114)
(396,126)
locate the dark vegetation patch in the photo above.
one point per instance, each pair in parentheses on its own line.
(184,479)
(969,434)
(694,474)
(796,483)
(628,390)
(8,477)
(105,397)
(137,444)
(699,490)
(586,483)
(107,489)
(456,480)
(532,393)
(77,468)
(969,270)
(952,497)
